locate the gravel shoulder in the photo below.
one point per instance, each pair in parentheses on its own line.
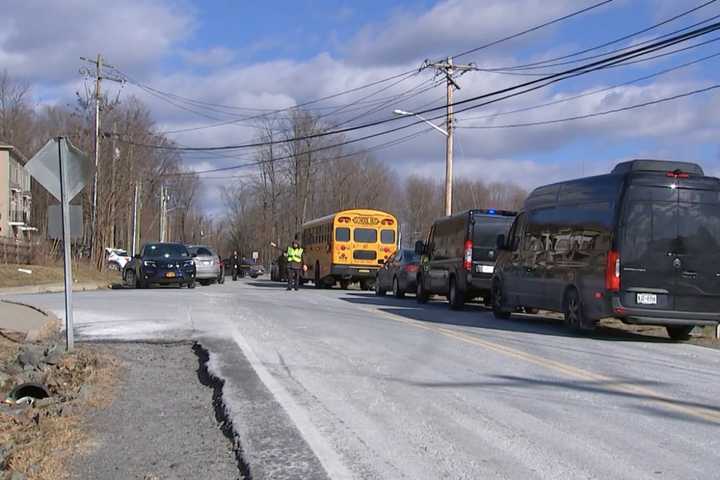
(162,422)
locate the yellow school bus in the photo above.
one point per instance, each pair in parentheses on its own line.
(348,246)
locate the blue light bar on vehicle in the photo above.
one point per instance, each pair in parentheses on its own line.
(491,211)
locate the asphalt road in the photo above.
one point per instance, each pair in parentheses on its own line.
(368,387)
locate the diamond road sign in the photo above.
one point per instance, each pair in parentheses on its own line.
(45,167)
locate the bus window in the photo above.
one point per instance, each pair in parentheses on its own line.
(365,235)
(387,237)
(342,234)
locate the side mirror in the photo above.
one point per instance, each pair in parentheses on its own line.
(420,247)
(500,242)
(194,255)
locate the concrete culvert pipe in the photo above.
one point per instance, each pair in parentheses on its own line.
(27,393)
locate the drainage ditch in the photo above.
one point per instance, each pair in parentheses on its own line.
(221,416)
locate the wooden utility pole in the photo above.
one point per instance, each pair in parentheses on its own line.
(449,69)
(98,63)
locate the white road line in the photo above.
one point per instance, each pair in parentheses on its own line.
(329,458)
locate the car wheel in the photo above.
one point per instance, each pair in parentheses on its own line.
(366,285)
(422,295)
(574,311)
(379,291)
(191,284)
(113,266)
(455,297)
(344,284)
(396,289)
(679,332)
(130,279)
(498,301)
(531,310)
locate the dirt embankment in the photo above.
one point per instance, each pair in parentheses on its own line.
(38,435)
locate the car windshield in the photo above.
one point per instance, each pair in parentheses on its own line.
(201,251)
(165,250)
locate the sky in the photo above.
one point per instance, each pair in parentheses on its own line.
(259,56)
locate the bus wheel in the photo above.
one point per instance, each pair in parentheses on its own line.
(396,289)
(679,332)
(344,284)
(498,300)
(316,280)
(366,285)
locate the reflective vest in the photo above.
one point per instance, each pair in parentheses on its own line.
(294,254)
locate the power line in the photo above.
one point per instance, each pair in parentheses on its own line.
(543,63)
(597,114)
(533,84)
(532,29)
(524,72)
(594,92)
(269,112)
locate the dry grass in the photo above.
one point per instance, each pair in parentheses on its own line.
(45,274)
(44,438)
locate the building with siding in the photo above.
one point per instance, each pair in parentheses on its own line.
(15,196)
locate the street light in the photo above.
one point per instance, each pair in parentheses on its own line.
(448,156)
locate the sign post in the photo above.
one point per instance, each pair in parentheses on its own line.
(67,259)
(63,170)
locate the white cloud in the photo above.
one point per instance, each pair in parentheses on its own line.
(211,57)
(43,43)
(451,26)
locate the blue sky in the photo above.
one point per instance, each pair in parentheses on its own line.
(277,54)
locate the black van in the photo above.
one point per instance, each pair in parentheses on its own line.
(458,258)
(641,244)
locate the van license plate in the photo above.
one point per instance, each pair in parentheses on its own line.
(646,299)
(170,275)
(484,268)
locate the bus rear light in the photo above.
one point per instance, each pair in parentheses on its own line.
(467,261)
(342,248)
(388,221)
(386,250)
(344,220)
(612,271)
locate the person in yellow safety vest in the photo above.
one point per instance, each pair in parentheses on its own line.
(295,264)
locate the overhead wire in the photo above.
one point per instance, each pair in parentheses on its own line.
(593,92)
(543,63)
(534,84)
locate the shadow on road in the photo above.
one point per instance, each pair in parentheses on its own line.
(476,315)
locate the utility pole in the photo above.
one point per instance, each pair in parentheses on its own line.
(448,69)
(136,220)
(163,212)
(99,77)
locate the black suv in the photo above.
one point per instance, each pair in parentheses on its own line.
(161,263)
(458,258)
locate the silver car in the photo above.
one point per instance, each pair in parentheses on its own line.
(207,264)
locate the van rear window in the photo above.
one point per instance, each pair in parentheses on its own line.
(486,230)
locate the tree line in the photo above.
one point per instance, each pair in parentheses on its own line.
(121,166)
(298,181)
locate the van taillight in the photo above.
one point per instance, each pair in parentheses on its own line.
(612,272)
(467,263)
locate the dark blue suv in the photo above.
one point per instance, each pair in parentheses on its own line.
(161,263)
